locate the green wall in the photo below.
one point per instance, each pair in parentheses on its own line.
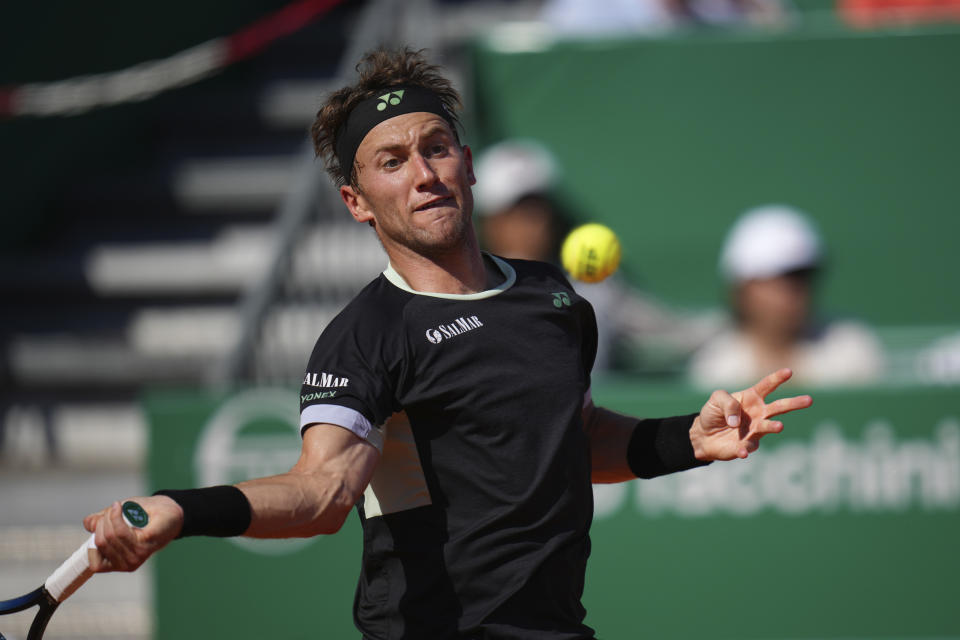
(236,588)
(668,140)
(844,526)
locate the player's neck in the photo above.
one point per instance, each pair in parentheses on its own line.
(459,271)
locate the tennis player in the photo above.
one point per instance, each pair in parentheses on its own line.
(476,501)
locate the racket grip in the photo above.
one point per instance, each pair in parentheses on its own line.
(71,575)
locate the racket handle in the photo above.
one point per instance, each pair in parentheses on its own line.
(71,575)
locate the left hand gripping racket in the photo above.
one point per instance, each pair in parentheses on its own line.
(68,577)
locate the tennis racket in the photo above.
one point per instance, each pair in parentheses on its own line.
(68,577)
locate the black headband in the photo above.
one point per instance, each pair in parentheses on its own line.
(393,102)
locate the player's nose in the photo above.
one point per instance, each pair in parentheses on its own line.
(424,173)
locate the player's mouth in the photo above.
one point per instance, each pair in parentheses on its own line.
(449,201)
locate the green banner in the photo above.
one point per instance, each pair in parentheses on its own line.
(668,140)
(844,526)
(239,588)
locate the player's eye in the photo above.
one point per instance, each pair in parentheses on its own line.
(390,163)
(437,149)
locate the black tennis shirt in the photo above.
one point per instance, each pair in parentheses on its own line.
(476,521)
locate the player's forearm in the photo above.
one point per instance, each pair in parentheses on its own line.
(624,448)
(298,505)
(609,434)
(314,497)
(659,446)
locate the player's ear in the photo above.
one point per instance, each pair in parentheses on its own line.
(468,159)
(356,203)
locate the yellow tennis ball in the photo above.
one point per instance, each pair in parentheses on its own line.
(591,252)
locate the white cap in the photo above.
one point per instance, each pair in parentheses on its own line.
(770,241)
(509,170)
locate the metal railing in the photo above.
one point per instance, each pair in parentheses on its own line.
(283,302)
(311,194)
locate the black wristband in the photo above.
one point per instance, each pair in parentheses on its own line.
(221,511)
(660,446)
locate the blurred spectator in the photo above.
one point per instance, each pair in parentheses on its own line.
(876,13)
(771,260)
(520,217)
(515,198)
(613,17)
(940,362)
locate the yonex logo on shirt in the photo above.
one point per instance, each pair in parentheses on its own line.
(320,395)
(446,331)
(324,379)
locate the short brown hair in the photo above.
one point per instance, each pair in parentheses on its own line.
(379,69)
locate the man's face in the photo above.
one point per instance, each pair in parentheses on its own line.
(413,183)
(779,307)
(524,230)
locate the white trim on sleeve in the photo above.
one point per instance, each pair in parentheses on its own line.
(349,419)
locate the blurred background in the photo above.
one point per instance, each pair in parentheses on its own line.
(783,175)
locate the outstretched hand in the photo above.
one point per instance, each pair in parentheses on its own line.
(731,425)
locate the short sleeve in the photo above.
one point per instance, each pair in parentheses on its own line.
(589,339)
(352,375)
(589,332)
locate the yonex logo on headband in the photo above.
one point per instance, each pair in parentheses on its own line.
(394,98)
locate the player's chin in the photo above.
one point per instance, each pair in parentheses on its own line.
(443,238)
(447,220)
